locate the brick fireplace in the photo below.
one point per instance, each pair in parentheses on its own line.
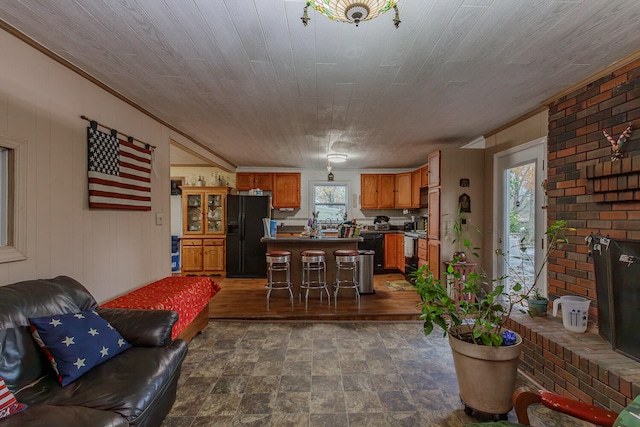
(596,196)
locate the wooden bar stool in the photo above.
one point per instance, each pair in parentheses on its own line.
(279,262)
(346,262)
(314,263)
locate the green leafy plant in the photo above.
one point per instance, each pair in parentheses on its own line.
(455,233)
(484,306)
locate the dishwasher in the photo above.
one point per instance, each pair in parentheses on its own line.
(374,242)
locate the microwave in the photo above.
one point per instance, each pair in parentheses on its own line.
(424,197)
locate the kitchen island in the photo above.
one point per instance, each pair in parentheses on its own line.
(297,244)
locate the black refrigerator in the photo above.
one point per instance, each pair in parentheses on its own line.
(245,252)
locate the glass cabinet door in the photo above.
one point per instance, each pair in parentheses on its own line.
(215,214)
(194,213)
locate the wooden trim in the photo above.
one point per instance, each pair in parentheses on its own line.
(197,325)
(516,121)
(42,49)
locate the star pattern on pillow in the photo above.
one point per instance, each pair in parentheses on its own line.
(74,343)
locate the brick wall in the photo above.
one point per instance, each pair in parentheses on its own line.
(586,188)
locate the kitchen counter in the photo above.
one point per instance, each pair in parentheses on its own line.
(310,240)
(297,244)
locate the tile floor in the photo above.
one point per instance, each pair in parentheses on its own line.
(322,374)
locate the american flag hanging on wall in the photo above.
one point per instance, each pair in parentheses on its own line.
(119,172)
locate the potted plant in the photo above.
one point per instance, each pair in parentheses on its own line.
(473,316)
(455,234)
(537,303)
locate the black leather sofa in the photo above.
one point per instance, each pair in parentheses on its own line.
(134,388)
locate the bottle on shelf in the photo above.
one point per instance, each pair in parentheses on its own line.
(199,183)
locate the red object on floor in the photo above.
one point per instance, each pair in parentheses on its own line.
(187,295)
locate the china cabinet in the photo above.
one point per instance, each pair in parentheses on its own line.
(203,228)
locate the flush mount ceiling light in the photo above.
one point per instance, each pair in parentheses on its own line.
(337,158)
(351,11)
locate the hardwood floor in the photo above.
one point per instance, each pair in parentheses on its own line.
(246,299)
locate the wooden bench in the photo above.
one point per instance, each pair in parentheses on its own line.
(188,295)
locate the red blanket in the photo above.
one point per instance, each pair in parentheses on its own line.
(186,295)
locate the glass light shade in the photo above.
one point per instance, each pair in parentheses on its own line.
(352,11)
(337,158)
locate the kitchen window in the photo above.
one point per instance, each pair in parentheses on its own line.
(330,201)
(13,181)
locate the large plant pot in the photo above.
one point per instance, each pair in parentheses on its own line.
(538,307)
(486,375)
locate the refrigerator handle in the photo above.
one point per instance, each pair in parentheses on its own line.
(241,231)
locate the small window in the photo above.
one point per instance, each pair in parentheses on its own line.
(13,181)
(331,202)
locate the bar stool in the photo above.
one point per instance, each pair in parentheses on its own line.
(346,261)
(279,262)
(314,261)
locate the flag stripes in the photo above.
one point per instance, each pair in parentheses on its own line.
(119,173)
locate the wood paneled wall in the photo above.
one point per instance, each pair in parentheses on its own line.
(110,252)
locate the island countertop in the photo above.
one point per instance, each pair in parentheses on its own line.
(297,244)
(310,240)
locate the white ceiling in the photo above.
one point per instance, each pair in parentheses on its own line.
(247,80)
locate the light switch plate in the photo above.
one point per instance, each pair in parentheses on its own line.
(159,218)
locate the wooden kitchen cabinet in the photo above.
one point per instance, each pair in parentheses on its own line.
(394,251)
(433,229)
(203,226)
(249,180)
(386,193)
(424,176)
(377,191)
(400,252)
(213,254)
(433,257)
(422,251)
(390,251)
(415,189)
(403,190)
(434,169)
(286,190)
(368,191)
(191,255)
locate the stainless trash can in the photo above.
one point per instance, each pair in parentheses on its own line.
(365,271)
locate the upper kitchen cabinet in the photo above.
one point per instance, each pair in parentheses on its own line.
(286,190)
(434,169)
(415,188)
(424,176)
(403,190)
(377,191)
(249,180)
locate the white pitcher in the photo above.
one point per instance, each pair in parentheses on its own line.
(575,312)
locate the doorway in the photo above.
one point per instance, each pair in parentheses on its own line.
(520,217)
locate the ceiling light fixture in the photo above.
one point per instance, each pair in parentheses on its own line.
(351,11)
(337,157)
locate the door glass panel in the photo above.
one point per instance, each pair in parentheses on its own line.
(521,222)
(214,213)
(194,212)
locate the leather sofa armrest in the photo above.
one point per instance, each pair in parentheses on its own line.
(142,328)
